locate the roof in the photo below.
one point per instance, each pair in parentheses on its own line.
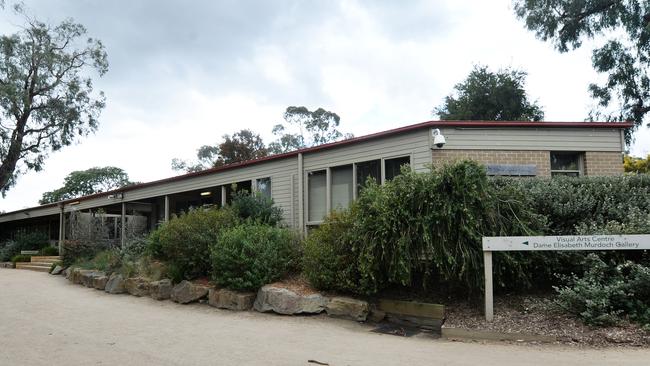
(395,131)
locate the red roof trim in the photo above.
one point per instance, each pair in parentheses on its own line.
(427,124)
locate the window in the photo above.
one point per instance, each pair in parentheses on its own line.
(317,195)
(392,167)
(341,186)
(263,185)
(566,163)
(232,189)
(366,170)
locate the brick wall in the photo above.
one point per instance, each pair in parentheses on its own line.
(596,163)
(603,163)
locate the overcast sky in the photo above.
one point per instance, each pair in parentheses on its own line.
(182,74)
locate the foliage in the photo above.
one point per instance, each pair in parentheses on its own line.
(637,222)
(304,128)
(256,207)
(250,255)
(8,249)
(50,251)
(606,292)
(624,56)
(636,165)
(490,96)
(35,240)
(46,95)
(105,261)
(79,250)
(184,241)
(21,258)
(568,202)
(426,228)
(329,262)
(242,146)
(87,182)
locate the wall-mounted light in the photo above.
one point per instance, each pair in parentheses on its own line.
(116,196)
(206,193)
(73,203)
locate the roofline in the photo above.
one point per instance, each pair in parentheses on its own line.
(372,136)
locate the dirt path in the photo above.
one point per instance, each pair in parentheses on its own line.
(44,320)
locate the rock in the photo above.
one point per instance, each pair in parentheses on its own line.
(68,273)
(57,270)
(160,290)
(348,308)
(86,277)
(284,301)
(115,284)
(187,292)
(232,300)
(100,280)
(376,315)
(137,286)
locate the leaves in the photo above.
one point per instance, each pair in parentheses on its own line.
(85,182)
(490,96)
(46,95)
(310,128)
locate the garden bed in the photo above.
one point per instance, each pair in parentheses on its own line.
(535,315)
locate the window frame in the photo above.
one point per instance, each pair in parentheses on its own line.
(255,187)
(327,196)
(383,164)
(561,172)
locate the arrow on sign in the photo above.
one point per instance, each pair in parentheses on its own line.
(525,243)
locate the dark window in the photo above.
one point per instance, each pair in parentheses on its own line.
(392,167)
(566,163)
(234,188)
(368,169)
(263,185)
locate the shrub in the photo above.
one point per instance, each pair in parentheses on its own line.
(105,260)
(184,241)
(8,249)
(50,251)
(32,241)
(426,228)
(249,256)
(606,292)
(80,250)
(21,258)
(256,208)
(329,262)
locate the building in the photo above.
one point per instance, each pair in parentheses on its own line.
(310,182)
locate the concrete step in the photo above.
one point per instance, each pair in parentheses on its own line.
(40,264)
(28,266)
(44,258)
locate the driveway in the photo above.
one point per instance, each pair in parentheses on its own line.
(44,320)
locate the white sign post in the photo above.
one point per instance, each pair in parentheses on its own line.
(548,243)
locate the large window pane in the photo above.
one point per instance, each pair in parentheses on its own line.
(232,189)
(341,187)
(263,185)
(392,167)
(366,170)
(317,195)
(566,163)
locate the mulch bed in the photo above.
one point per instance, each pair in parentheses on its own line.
(536,315)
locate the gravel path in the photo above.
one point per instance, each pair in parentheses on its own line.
(47,321)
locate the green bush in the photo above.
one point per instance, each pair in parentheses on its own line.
(606,292)
(32,241)
(184,241)
(424,229)
(249,256)
(328,261)
(8,249)
(50,251)
(106,261)
(21,258)
(256,207)
(81,250)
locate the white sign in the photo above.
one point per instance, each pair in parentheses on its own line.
(567,242)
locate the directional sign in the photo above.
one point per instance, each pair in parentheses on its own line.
(566,242)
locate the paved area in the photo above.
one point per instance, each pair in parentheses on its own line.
(47,321)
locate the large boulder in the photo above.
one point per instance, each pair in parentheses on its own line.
(57,270)
(99,281)
(187,292)
(232,300)
(348,308)
(87,278)
(137,286)
(76,275)
(160,290)
(284,301)
(115,284)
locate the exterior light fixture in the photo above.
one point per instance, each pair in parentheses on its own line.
(206,193)
(73,203)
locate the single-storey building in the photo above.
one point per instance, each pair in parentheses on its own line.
(306,184)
